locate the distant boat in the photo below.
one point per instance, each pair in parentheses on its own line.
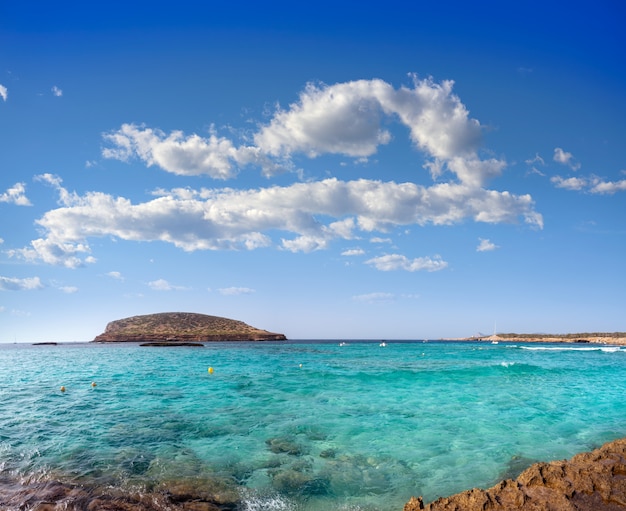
(343,343)
(383,344)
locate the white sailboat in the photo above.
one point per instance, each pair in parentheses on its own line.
(494,337)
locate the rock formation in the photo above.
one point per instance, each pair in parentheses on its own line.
(591,481)
(177,327)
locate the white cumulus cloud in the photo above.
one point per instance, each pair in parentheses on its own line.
(393,262)
(608,187)
(485,245)
(16,195)
(565,158)
(57,92)
(288,217)
(164,285)
(591,184)
(4,92)
(16,284)
(345,118)
(353,252)
(570,183)
(351,119)
(190,155)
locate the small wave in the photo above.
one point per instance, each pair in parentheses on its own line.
(507,364)
(254,501)
(605,349)
(612,349)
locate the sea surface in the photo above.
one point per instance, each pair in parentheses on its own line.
(304,425)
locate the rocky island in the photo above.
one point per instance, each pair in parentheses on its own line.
(182,328)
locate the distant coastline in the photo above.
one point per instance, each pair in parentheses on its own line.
(617,338)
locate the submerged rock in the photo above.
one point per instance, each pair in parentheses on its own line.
(285,445)
(591,481)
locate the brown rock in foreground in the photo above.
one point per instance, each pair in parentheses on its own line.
(591,481)
(175,327)
(59,496)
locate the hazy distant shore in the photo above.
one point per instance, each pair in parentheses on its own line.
(617,338)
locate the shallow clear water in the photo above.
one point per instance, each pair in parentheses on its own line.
(305,426)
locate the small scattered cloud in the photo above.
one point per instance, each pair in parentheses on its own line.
(393,262)
(4,93)
(16,195)
(235,291)
(570,183)
(377,239)
(164,285)
(565,158)
(411,296)
(535,162)
(374,298)
(20,313)
(69,289)
(190,155)
(69,254)
(592,184)
(57,92)
(608,187)
(116,275)
(353,252)
(15,284)
(305,243)
(485,245)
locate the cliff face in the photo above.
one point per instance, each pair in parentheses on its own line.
(182,327)
(591,481)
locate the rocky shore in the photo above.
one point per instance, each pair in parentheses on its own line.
(591,481)
(59,496)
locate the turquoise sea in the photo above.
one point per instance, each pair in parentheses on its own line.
(304,426)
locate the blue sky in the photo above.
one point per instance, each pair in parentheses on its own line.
(401,170)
